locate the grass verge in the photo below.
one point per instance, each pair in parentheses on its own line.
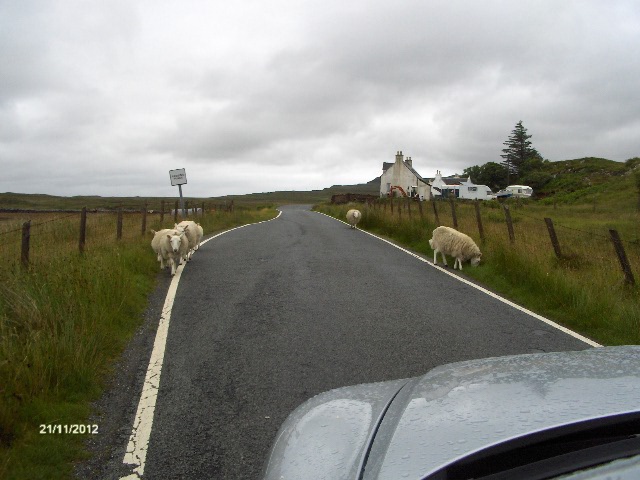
(583,291)
(63,323)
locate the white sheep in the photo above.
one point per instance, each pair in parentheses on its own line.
(200,235)
(170,245)
(353,217)
(193,232)
(449,241)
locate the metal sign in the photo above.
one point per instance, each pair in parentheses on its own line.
(178,177)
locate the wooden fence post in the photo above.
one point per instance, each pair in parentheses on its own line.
(400,209)
(26,236)
(553,236)
(507,215)
(202,211)
(409,208)
(83,229)
(435,212)
(119,224)
(186,206)
(161,212)
(453,213)
(479,220)
(420,209)
(622,256)
(144,219)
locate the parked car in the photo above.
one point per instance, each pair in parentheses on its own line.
(553,415)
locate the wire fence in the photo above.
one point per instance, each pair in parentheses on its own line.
(31,238)
(603,246)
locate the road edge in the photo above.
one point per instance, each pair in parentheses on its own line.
(549,322)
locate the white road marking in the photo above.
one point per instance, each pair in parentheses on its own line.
(478,287)
(136,453)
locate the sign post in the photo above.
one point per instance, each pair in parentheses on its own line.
(179,177)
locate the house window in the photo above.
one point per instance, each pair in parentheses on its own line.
(473,189)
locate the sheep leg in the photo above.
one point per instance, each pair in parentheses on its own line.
(172,261)
(444,259)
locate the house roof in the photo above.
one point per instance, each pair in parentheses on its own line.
(449,180)
(387,165)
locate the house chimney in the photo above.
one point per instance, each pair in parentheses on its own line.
(409,162)
(399,157)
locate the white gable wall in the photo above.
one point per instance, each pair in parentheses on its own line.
(400,175)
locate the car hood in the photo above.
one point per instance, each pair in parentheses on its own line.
(411,428)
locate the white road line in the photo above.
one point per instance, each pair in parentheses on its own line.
(483,290)
(136,453)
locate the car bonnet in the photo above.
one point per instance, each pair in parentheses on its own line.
(328,436)
(459,409)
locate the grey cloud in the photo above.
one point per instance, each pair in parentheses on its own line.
(319,91)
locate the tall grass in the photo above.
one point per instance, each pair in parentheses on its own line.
(63,321)
(584,290)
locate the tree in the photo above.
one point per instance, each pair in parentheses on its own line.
(491,174)
(518,151)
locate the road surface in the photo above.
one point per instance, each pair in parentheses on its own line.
(269,315)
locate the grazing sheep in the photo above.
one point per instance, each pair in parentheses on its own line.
(170,245)
(353,217)
(452,242)
(192,230)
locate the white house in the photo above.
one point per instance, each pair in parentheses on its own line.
(460,187)
(400,179)
(475,192)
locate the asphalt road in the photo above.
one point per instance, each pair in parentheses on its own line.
(269,315)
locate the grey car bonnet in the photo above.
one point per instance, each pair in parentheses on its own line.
(451,412)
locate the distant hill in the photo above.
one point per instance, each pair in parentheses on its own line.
(570,181)
(24,201)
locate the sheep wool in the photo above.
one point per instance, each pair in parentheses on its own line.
(192,231)
(451,242)
(170,245)
(353,217)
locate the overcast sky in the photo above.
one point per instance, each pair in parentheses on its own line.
(104,98)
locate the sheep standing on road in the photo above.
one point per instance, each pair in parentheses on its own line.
(193,231)
(170,245)
(449,241)
(200,235)
(353,217)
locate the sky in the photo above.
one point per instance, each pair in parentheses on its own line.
(104,98)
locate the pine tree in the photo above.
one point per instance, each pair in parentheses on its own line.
(518,150)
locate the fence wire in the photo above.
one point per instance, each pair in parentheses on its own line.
(53,234)
(588,253)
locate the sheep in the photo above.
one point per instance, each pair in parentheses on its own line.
(194,235)
(170,245)
(449,241)
(200,235)
(353,217)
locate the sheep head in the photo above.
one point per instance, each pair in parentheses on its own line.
(176,241)
(476,260)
